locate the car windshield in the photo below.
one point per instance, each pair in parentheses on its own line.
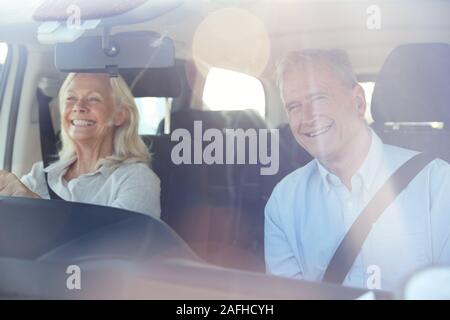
(299,148)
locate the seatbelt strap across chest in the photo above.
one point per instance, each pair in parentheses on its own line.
(351,245)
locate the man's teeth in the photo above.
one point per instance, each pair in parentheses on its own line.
(83,123)
(316,133)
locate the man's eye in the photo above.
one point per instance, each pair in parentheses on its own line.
(319,101)
(318,98)
(293,107)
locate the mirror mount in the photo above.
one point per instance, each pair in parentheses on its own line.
(110,49)
(108,53)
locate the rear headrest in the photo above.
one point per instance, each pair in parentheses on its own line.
(162,82)
(414,85)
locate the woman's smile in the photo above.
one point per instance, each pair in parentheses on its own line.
(82,123)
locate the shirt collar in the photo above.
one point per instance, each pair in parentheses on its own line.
(366,172)
(60,166)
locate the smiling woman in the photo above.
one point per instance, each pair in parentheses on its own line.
(95,108)
(103,160)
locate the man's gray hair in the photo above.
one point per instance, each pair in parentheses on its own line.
(338,60)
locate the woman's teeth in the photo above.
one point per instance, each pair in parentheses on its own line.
(82,123)
(318,132)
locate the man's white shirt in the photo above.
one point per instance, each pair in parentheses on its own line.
(310,211)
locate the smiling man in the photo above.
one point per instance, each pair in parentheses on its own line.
(311,209)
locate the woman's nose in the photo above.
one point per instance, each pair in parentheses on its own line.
(80,106)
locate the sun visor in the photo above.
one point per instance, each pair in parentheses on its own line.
(67,20)
(130,50)
(111,12)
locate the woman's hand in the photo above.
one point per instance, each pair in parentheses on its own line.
(10,185)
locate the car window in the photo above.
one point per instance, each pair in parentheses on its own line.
(234,190)
(3,55)
(368,90)
(231,90)
(151,111)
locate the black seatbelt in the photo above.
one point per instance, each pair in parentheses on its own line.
(47,136)
(351,245)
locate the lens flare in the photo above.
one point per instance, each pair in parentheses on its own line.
(232,39)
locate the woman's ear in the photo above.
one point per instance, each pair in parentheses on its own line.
(120,117)
(360,99)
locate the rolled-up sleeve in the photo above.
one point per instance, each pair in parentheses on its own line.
(35,181)
(140,192)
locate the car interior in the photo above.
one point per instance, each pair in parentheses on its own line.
(210,240)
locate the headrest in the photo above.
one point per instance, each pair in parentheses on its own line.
(156,82)
(414,85)
(234,119)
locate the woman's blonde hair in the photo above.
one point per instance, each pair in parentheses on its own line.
(128,146)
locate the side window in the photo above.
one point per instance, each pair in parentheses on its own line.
(230,90)
(3,55)
(151,111)
(368,90)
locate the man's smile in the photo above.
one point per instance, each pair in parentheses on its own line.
(319,131)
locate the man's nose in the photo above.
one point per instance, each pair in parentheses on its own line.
(307,113)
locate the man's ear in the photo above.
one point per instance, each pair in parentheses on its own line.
(120,117)
(360,99)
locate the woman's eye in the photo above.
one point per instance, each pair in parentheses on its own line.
(70,98)
(94,99)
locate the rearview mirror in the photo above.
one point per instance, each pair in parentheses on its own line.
(125,50)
